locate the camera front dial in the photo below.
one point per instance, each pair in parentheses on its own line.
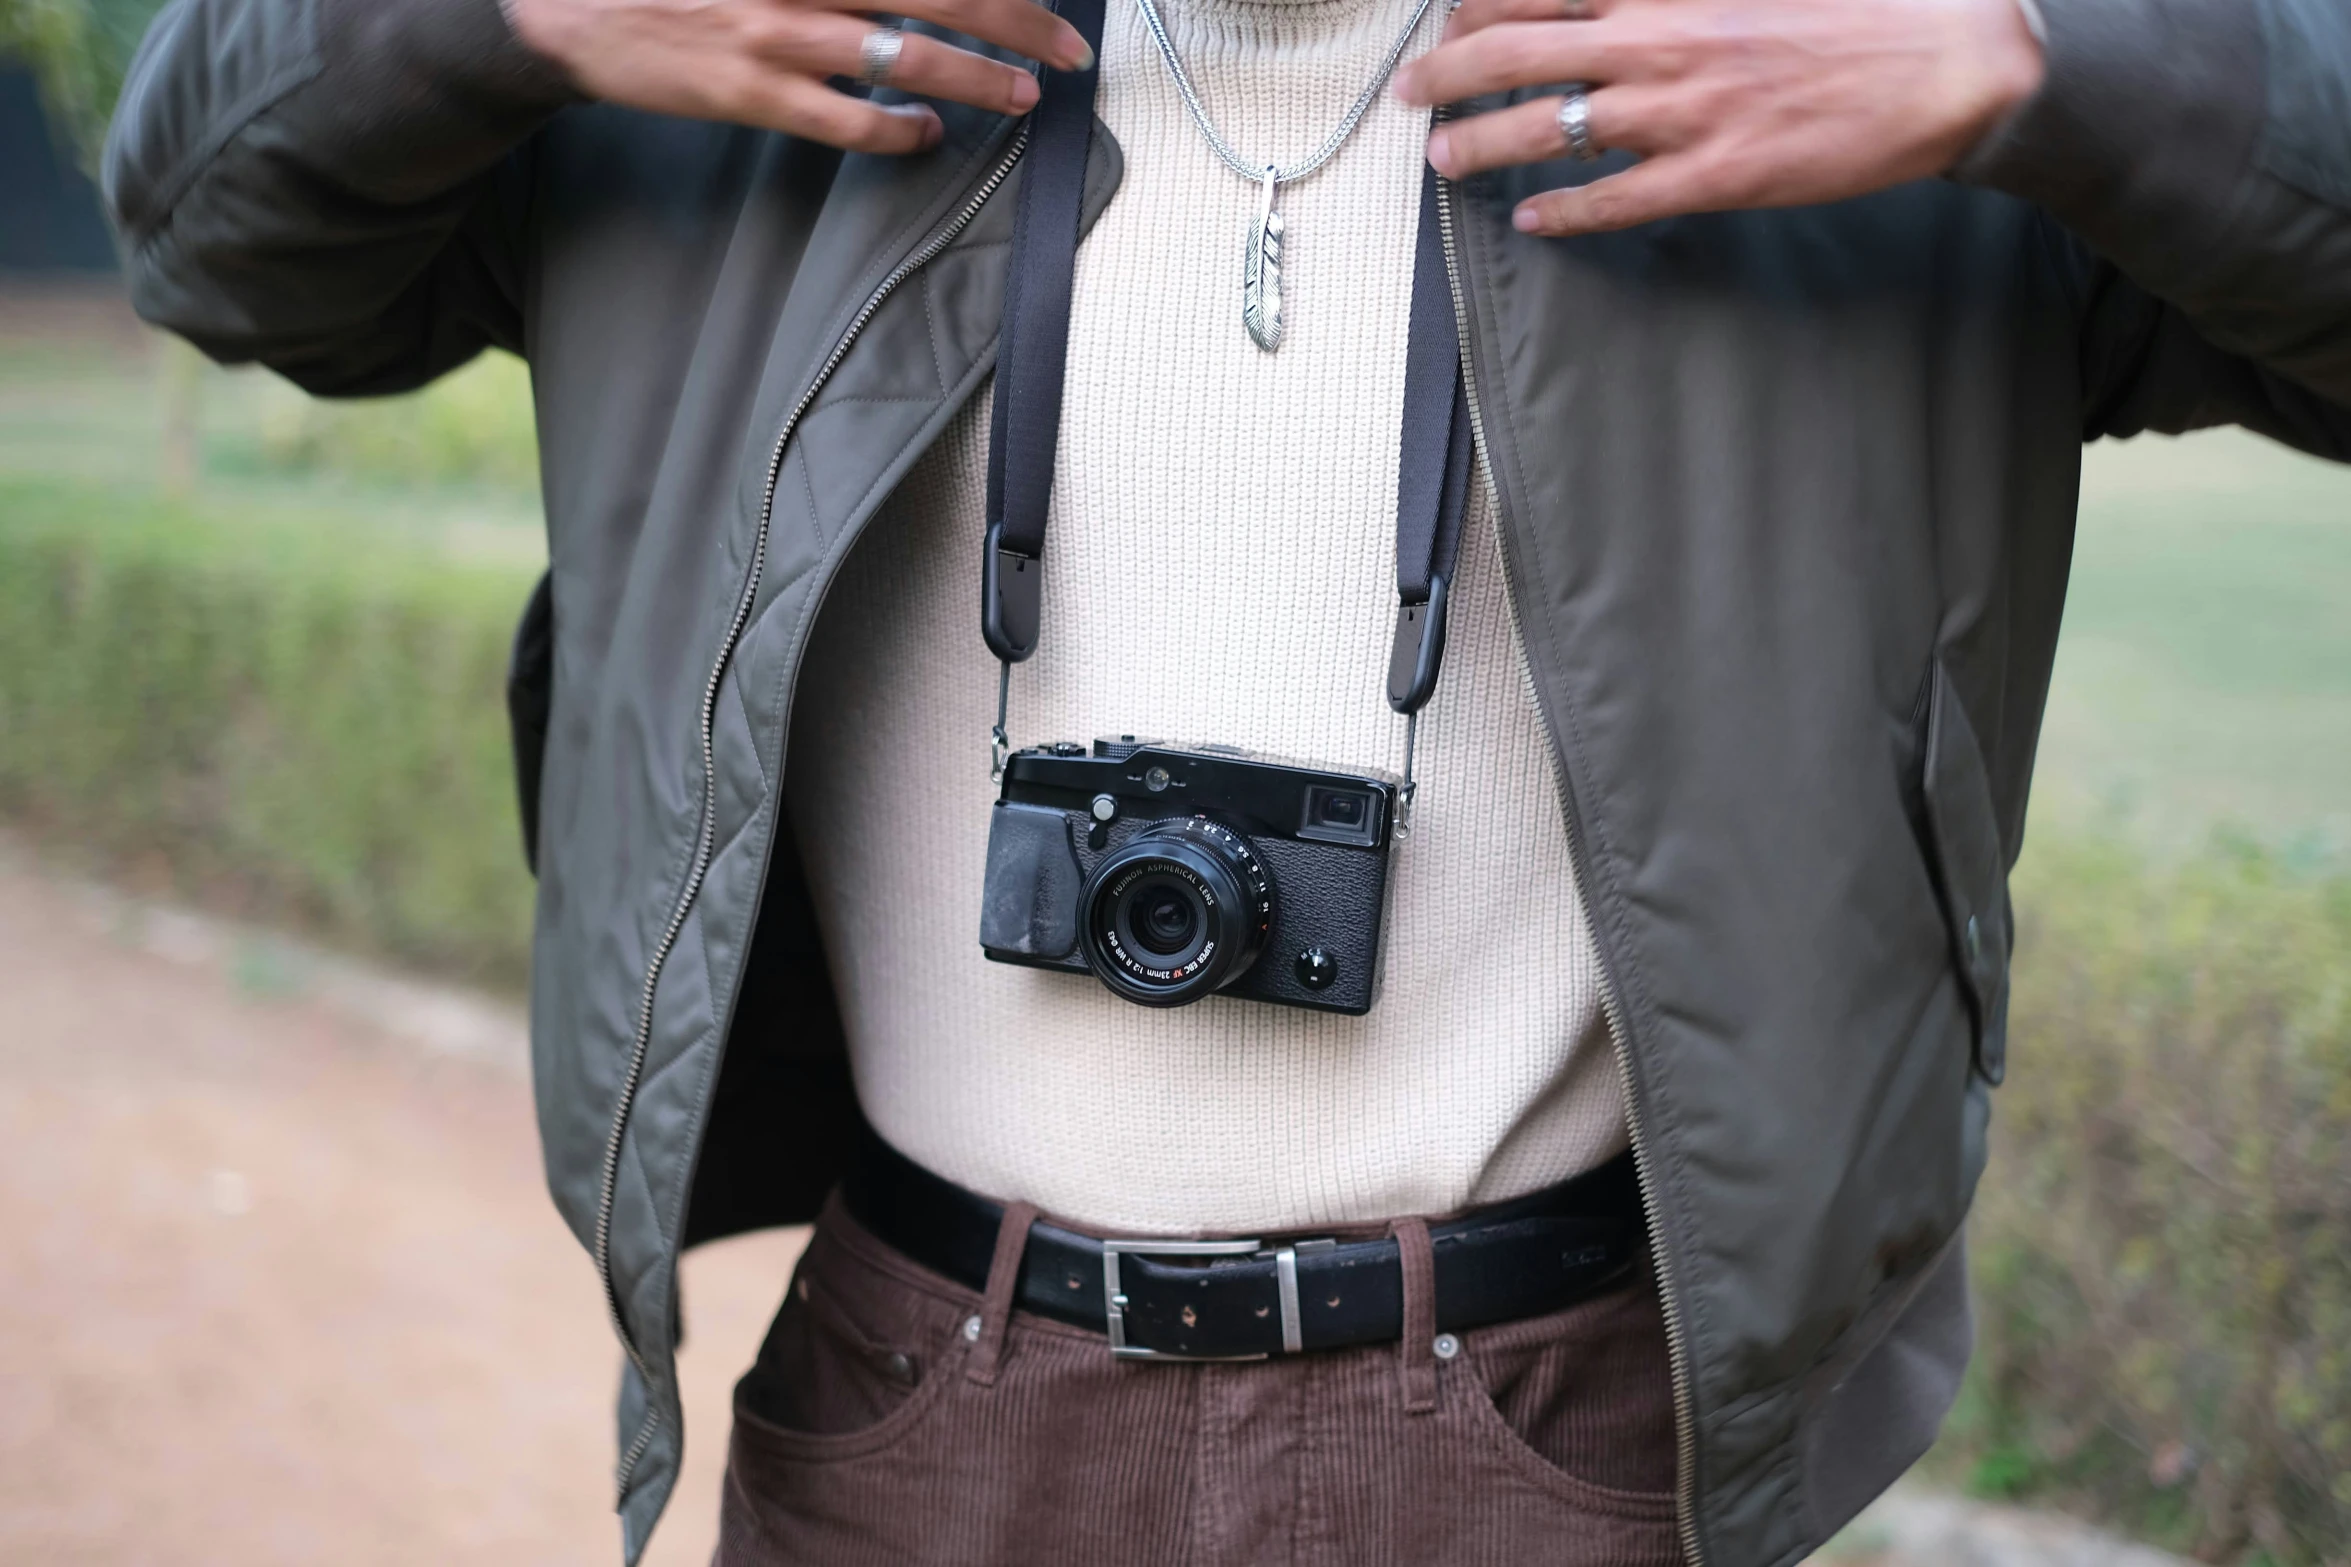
(1178,912)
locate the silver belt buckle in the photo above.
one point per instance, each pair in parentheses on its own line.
(1285,1272)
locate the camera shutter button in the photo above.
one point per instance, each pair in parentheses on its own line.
(1317,969)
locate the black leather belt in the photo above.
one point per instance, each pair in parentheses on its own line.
(1245,1299)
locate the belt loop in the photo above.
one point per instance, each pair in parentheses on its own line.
(1012,1243)
(1416,1355)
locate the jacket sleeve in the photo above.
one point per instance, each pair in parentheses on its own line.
(330,187)
(2197,156)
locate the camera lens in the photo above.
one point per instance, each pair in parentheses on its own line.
(1180,911)
(1167,921)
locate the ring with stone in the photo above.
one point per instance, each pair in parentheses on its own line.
(878,53)
(1575,122)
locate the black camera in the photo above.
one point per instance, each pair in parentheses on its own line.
(1171,875)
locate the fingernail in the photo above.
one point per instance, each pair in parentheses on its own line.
(1524,220)
(1024,93)
(1082,59)
(933,134)
(1441,153)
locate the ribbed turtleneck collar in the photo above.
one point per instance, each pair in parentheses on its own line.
(1283,24)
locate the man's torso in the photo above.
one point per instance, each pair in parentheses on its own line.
(1222,571)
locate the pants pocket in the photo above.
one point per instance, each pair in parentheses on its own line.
(1581,1403)
(852,1361)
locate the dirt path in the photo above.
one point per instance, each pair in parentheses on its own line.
(282,1287)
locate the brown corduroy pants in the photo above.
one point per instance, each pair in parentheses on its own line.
(895,1418)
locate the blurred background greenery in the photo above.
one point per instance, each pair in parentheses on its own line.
(270,681)
(80,50)
(251,648)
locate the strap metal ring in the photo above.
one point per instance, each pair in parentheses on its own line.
(1575,122)
(878,53)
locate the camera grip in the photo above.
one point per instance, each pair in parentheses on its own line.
(1029,906)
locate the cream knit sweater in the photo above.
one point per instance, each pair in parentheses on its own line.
(1221,568)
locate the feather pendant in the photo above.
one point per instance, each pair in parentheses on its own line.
(1261,274)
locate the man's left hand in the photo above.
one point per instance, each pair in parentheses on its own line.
(1729,103)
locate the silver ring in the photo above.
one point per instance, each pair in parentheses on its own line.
(879,54)
(1575,122)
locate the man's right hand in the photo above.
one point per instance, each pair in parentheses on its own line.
(765,62)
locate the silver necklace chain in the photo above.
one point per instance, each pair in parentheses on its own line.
(1261,264)
(1256,171)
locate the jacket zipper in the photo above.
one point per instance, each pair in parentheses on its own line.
(1677,1349)
(704,847)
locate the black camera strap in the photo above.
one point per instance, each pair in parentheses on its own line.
(1432,486)
(1033,348)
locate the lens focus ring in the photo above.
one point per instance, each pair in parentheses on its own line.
(1180,911)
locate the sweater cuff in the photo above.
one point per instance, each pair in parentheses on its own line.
(2148,107)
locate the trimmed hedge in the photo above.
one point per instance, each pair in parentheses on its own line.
(2163,1242)
(298,723)
(474,426)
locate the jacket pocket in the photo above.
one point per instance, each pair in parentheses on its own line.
(530,693)
(1970,867)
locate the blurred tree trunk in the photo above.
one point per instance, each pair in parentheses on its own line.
(179,376)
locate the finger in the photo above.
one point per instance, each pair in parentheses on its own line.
(1622,117)
(1514,54)
(939,70)
(826,43)
(800,106)
(1023,26)
(1665,187)
(1478,15)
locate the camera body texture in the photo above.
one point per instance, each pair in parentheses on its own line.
(1174,874)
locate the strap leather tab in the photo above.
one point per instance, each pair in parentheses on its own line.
(1418,651)
(1012,599)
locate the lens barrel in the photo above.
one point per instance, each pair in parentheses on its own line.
(1178,912)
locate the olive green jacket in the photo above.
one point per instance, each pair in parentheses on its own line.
(1786,497)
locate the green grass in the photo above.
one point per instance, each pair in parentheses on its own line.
(2204,676)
